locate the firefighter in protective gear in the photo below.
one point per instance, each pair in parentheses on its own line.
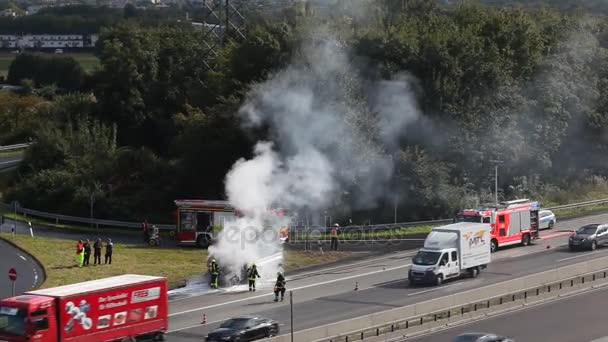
(252,274)
(214,269)
(279,287)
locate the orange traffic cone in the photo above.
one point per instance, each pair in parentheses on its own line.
(204,319)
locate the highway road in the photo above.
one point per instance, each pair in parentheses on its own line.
(328,295)
(29,272)
(9,160)
(581,318)
(322,298)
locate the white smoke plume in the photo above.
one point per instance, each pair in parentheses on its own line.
(328,134)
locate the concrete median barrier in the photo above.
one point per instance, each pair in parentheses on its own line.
(519,288)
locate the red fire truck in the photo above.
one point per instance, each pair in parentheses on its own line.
(122,308)
(513,222)
(196,219)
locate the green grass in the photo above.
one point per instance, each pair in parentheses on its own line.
(177,264)
(88,61)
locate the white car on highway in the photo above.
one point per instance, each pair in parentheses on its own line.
(547,219)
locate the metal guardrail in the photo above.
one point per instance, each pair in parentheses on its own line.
(167,227)
(462,310)
(14,147)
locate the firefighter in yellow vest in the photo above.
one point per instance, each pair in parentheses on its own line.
(214,269)
(252,274)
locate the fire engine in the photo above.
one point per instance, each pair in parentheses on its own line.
(512,222)
(196,220)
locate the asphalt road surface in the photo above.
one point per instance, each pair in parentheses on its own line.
(580,318)
(328,295)
(10,160)
(29,273)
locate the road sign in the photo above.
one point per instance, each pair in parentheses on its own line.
(12,274)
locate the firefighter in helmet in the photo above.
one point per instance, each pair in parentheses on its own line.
(214,269)
(279,287)
(252,274)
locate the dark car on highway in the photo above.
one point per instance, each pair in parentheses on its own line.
(589,237)
(244,328)
(481,337)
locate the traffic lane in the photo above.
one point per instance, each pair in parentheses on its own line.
(387,281)
(228,304)
(10,158)
(338,279)
(389,295)
(231,305)
(317,278)
(553,321)
(576,223)
(29,272)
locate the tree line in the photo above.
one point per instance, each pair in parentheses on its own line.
(523,86)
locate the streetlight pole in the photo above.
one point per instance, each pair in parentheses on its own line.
(291,312)
(496,178)
(91,202)
(396,199)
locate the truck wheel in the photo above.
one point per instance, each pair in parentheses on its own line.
(439,280)
(202,241)
(525,240)
(493,246)
(474,272)
(159,337)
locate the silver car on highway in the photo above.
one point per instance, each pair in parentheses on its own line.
(482,337)
(547,219)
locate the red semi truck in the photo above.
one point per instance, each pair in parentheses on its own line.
(122,308)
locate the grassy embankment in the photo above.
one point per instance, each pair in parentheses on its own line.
(177,264)
(87,60)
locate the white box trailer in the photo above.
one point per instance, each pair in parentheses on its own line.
(451,251)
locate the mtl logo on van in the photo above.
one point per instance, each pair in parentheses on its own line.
(475,239)
(145,295)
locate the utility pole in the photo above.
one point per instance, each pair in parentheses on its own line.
(223,21)
(396,199)
(291,312)
(91,203)
(496,162)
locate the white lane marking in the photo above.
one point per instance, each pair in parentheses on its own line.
(429,290)
(22,257)
(577,256)
(387,257)
(294,289)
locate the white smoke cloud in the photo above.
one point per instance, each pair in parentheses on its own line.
(328,132)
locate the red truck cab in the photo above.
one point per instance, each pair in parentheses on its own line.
(126,307)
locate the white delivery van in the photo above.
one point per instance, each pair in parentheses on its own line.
(451,251)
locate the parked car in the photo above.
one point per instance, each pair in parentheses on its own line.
(482,337)
(244,328)
(589,237)
(547,219)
